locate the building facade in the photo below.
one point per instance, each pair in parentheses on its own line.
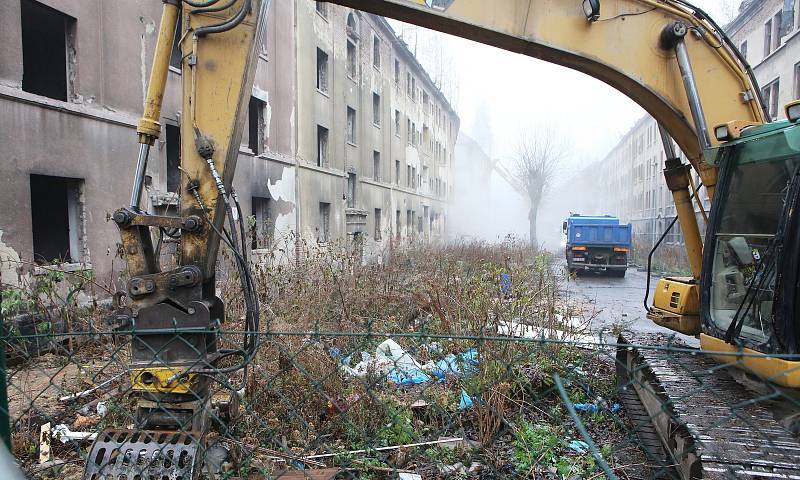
(375,136)
(767,34)
(73,77)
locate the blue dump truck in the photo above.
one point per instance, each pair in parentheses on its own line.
(599,244)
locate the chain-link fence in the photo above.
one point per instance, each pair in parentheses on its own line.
(464,361)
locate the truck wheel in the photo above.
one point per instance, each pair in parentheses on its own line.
(618,273)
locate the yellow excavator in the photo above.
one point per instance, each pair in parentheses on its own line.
(666,55)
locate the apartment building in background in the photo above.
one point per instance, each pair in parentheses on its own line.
(330,125)
(767,33)
(375,135)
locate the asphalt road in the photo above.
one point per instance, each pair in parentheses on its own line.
(613,301)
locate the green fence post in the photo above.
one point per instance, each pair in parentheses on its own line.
(5,428)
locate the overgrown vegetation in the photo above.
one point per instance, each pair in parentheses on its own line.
(468,314)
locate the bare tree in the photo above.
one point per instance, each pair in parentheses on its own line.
(539,153)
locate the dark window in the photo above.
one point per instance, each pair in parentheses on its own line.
(797,80)
(376,166)
(409,222)
(397,122)
(324,222)
(46,38)
(351,190)
(397,225)
(376,52)
(743,50)
(173,133)
(776,30)
(256,126)
(175,58)
(351,125)
(376,109)
(768,37)
(55,217)
(397,172)
(770,94)
(322,9)
(351,59)
(397,72)
(262,224)
(322,146)
(377,224)
(322,71)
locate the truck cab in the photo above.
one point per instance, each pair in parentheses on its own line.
(597,244)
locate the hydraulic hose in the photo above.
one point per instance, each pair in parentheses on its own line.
(227,24)
(655,247)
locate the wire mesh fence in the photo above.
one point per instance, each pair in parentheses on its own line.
(460,361)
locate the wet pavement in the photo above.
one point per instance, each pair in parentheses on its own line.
(609,302)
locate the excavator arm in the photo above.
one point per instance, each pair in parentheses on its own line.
(174,316)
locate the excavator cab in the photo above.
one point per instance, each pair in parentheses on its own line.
(750,257)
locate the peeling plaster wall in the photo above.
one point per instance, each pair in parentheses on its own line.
(328,183)
(92,136)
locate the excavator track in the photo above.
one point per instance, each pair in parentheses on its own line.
(709,425)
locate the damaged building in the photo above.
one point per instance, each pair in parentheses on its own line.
(347,138)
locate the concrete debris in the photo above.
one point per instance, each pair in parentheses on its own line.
(63,434)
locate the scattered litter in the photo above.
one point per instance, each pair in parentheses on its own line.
(475,467)
(407,370)
(83,422)
(64,434)
(409,476)
(75,396)
(102,409)
(456,467)
(465,402)
(442,441)
(452,364)
(587,407)
(401,368)
(391,360)
(419,403)
(505,284)
(433,347)
(594,407)
(579,446)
